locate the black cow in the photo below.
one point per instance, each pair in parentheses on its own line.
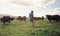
(5,19)
(53,17)
(49,17)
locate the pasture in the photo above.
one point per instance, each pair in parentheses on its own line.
(24,28)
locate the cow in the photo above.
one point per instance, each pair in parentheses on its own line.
(21,18)
(53,18)
(12,18)
(5,19)
(38,18)
(49,17)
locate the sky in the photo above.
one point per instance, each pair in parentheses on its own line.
(24,7)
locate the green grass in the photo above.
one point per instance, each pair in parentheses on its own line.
(24,28)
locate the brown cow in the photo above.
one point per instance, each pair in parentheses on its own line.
(21,18)
(37,18)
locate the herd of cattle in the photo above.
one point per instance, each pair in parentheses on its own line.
(8,19)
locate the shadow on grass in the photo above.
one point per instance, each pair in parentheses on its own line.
(5,25)
(37,26)
(56,25)
(40,33)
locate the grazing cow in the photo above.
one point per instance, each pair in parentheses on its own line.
(5,19)
(12,19)
(21,18)
(56,17)
(49,17)
(37,18)
(53,17)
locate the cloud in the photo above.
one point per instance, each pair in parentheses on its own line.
(36,3)
(55,11)
(23,7)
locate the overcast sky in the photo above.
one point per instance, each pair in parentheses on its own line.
(24,7)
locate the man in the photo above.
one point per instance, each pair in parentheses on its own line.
(31,18)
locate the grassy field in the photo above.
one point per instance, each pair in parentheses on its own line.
(18,28)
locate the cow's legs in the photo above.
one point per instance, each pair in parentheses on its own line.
(8,22)
(50,20)
(4,23)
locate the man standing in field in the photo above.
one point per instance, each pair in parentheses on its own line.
(31,18)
